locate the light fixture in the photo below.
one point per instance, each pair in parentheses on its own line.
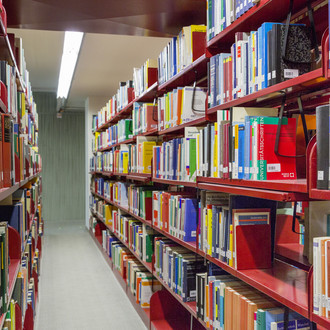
(72,43)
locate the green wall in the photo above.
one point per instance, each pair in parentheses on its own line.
(62,148)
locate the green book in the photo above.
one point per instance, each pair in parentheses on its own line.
(192,159)
(261,319)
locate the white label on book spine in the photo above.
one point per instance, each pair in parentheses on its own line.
(291,73)
(240,169)
(271,168)
(320,175)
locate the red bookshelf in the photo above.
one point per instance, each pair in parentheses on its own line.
(288,281)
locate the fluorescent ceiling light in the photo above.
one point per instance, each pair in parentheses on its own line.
(72,43)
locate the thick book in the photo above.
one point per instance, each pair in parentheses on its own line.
(6,149)
(322,139)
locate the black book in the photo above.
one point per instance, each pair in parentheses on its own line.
(322,138)
(297,59)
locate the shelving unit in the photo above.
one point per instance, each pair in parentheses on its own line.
(288,281)
(23,319)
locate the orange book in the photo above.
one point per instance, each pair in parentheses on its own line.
(207,307)
(179,106)
(253,306)
(238,309)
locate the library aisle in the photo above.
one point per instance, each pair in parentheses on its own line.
(77,288)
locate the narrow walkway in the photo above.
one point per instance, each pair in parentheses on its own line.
(78,290)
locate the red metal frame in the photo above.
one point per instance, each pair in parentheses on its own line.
(299,185)
(282,196)
(312,172)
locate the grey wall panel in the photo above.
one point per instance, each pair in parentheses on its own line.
(62,148)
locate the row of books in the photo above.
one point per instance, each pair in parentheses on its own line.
(19,209)
(224,302)
(145,76)
(18,51)
(116,133)
(222,13)
(139,280)
(181,106)
(144,116)
(234,235)
(177,267)
(139,236)
(18,158)
(181,51)
(239,149)
(176,213)
(252,66)
(15,101)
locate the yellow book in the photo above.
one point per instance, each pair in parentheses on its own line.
(125,162)
(12,315)
(215,151)
(209,230)
(231,244)
(108,214)
(97,134)
(147,148)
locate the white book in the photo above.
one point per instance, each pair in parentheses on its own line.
(188,114)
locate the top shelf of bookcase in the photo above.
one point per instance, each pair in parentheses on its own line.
(272,10)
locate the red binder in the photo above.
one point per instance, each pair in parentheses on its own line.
(6,149)
(253,246)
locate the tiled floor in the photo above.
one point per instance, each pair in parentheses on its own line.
(78,290)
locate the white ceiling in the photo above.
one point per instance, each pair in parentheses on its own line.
(103,62)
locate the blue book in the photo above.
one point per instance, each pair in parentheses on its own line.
(175,160)
(241,147)
(224,15)
(267,26)
(174,59)
(190,219)
(247,139)
(176,273)
(277,315)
